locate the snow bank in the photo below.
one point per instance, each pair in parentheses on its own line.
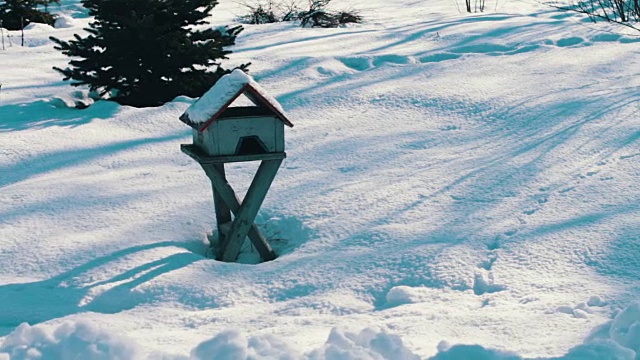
(64,21)
(399,295)
(231,345)
(37,27)
(596,350)
(84,341)
(601,350)
(69,341)
(472,352)
(625,329)
(623,343)
(368,344)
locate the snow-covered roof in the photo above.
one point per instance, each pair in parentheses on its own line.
(225,91)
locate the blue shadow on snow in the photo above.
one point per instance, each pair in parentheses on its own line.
(45,113)
(40,301)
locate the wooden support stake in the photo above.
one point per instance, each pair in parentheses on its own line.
(223,214)
(249,208)
(228,196)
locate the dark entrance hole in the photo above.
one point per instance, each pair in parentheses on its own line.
(250,145)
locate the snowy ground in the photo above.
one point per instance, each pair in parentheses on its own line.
(451,178)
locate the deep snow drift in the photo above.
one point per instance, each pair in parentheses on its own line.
(452,179)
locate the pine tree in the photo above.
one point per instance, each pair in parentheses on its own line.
(147,52)
(15,14)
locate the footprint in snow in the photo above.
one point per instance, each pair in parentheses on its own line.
(365,63)
(488,263)
(357,63)
(511,232)
(572,41)
(606,37)
(483,49)
(393,60)
(541,198)
(483,286)
(433,58)
(495,244)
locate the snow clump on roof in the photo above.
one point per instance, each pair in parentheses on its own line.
(223,92)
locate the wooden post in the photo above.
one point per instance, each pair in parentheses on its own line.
(223,214)
(228,197)
(232,233)
(249,208)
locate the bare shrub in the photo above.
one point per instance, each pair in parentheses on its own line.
(260,13)
(326,19)
(346,17)
(319,16)
(624,12)
(474,6)
(314,14)
(610,10)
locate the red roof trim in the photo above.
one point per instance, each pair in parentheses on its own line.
(254,95)
(222,109)
(270,106)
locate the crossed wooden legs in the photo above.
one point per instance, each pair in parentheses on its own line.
(232,233)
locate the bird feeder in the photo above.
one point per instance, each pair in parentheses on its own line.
(224,133)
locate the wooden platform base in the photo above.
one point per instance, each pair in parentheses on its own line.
(198,155)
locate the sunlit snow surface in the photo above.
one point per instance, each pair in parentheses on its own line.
(457,186)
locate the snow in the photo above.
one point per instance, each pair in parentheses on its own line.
(224,91)
(74,340)
(456,186)
(64,21)
(69,341)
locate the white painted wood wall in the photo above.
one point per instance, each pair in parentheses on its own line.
(222,136)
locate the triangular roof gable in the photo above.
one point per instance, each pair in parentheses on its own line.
(224,96)
(256,97)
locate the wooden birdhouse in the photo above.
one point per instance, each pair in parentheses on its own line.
(224,133)
(221,129)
